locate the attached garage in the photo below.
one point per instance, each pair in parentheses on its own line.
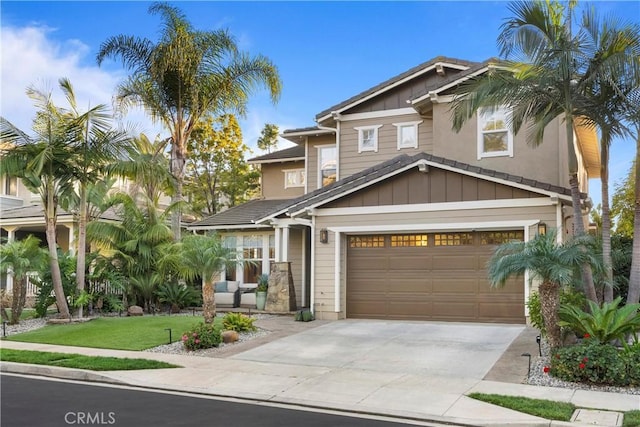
(430,276)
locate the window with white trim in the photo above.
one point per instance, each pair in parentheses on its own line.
(407,134)
(327,165)
(495,139)
(293,178)
(10,186)
(368,138)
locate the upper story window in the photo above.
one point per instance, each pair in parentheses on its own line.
(294,178)
(368,138)
(10,186)
(407,134)
(327,165)
(494,136)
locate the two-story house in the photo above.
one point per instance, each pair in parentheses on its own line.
(385,212)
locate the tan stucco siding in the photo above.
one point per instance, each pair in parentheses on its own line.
(324,273)
(351,161)
(273,184)
(543,163)
(312,158)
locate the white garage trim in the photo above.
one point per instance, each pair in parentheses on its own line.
(462,226)
(336,274)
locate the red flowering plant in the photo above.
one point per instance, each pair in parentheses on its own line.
(590,362)
(203,335)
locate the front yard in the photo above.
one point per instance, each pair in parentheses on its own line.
(117,333)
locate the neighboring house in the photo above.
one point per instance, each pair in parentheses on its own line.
(385,212)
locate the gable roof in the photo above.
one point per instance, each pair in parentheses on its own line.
(245,214)
(399,164)
(392,82)
(37,211)
(288,154)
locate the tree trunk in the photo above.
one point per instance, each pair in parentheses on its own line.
(82,244)
(208,301)
(578,222)
(633,297)
(178,163)
(606,223)
(56,276)
(19,298)
(549,304)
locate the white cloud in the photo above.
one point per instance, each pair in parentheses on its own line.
(31,58)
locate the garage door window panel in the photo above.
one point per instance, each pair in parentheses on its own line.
(366,241)
(500,237)
(409,240)
(453,239)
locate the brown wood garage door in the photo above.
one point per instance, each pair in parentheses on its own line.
(430,276)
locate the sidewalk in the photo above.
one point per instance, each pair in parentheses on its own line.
(410,396)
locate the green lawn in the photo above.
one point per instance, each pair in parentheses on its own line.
(559,411)
(119,333)
(94,363)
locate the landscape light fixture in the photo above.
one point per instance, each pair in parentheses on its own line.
(170,340)
(324,235)
(539,340)
(542,229)
(4,328)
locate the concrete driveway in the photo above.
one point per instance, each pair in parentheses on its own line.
(435,349)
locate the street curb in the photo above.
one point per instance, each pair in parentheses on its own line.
(57,372)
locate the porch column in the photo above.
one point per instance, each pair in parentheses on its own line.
(278,232)
(72,238)
(11,236)
(285,243)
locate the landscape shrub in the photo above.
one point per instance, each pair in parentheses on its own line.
(605,323)
(177,295)
(631,357)
(238,322)
(593,362)
(203,335)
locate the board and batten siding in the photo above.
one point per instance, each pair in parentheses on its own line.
(325,256)
(351,161)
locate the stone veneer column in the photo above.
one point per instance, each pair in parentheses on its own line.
(281,294)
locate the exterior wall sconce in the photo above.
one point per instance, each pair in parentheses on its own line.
(324,235)
(542,229)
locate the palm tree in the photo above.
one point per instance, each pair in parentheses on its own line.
(146,167)
(185,75)
(94,144)
(20,257)
(546,75)
(553,263)
(611,67)
(205,257)
(42,164)
(633,115)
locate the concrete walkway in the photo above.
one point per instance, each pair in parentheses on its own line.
(407,393)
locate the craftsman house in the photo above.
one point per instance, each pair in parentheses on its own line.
(384,212)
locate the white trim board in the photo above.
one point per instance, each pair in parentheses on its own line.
(228,227)
(451,226)
(379,114)
(436,207)
(395,84)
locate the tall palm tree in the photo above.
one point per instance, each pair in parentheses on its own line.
(94,144)
(205,257)
(42,164)
(20,257)
(616,47)
(553,263)
(185,75)
(633,115)
(544,77)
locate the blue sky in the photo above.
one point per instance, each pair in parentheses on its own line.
(325,51)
